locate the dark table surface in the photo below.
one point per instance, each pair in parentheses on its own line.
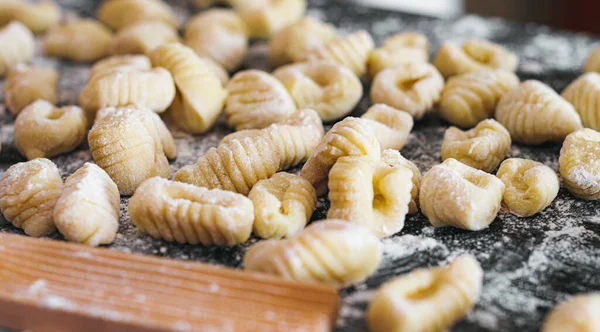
(530,263)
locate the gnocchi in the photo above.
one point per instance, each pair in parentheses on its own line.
(119,14)
(579,163)
(352,51)
(473,55)
(399,49)
(256,99)
(83,40)
(370,192)
(18,45)
(38,16)
(584,95)
(44,131)
(393,158)
(184,213)
(264,18)
(141,62)
(330,89)
(411,87)
(28,193)
(131,144)
(330,251)
(592,63)
(143,37)
(530,186)
(88,208)
(283,205)
(534,114)
(407,302)
(472,97)
(391,126)
(24,85)
(579,313)
(483,147)
(454,194)
(200,95)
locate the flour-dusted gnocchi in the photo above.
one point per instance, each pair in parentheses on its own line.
(283,204)
(43,130)
(18,45)
(235,166)
(349,137)
(398,49)
(580,164)
(472,97)
(184,213)
(119,14)
(330,251)
(131,144)
(427,299)
(293,43)
(88,208)
(584,94)
(24,85)
(592,63)
(395,159)
(143,37)
(328,88)
(454,194)
(530,186)
(391,126)
(141,62)
(218,34)
(473,55)
(483,147)
(352,51)
(256,99)
(370,192)
(265,18)
(28,193)
(579,313)
(534,114)
(83,40)
(200,95)
(411,87)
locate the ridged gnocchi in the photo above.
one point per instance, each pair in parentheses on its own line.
(24,85)
(18,45)
(38,16)
(580,164)
(330,89)
(293,43)
(584,95)
(398,49)
(143,37)
(349,137)
(217,69)
(391,126)
(534,114)
(264,18)
(283,205)
(592,63)
(235,166)
(256,99)
(335,252)
(370,192)
(411,87)
(530,186)
(473,55)
(218,34)
(28,193)
(88,208)
(579,313)
(184,213)
(200,95)
(472,97)
(131,144)
(483,147)
(454,194)
(43,130)
(352,51)
(427,299)
(141,62)
(83,40)
(395,159)
(119,14)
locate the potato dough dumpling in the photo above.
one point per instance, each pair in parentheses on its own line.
(38,16)
(454,194)
(264,18)
(119,14)
(184,213)
(18,45)
(577,314)
(335,252)
(411,87)
(88,208)
(398,49)
(592,63)
(580,164)
(352,51)
(28,193)
(483,147)
(43,130)
(427,299)
(24,85)
(143,37)
(473,55)
(530,186)
(391,126)
(395,159)
(141,62)
(584,94)
(83,40)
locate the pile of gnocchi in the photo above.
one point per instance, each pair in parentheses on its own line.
(142,67)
